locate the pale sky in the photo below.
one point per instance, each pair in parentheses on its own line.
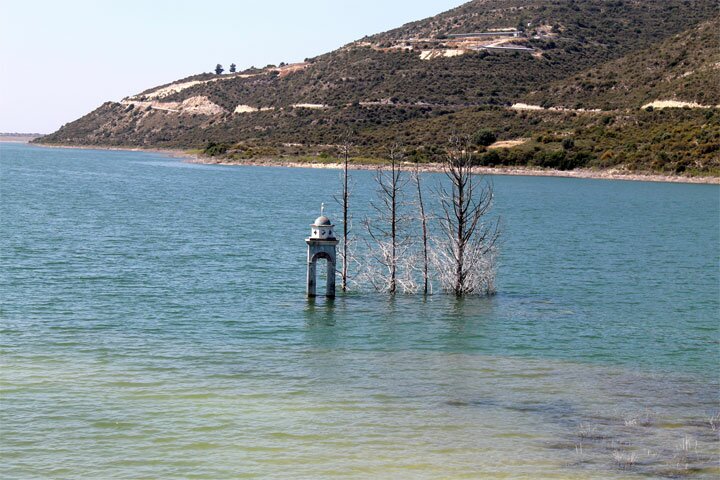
(60,59)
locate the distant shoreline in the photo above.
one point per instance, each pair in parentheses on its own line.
(20,138)
(173,153)
(425,167)
(436,167)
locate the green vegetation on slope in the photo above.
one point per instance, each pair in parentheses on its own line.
(677,141)
(668,141)
(685,67)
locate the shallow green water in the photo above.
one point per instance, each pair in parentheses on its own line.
(154,325)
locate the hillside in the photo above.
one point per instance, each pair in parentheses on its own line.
(458,71)
(684,67)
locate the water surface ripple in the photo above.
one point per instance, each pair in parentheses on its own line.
(154,326)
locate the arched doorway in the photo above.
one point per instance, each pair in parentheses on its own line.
(330,274)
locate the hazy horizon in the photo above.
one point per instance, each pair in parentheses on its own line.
(62,60)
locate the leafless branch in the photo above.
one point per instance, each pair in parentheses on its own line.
(388,243)
(343,199)
(465,253)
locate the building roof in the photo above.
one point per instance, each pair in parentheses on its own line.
(322,221)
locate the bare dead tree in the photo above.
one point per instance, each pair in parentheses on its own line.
(389,241)
(343,200)
(465,254)
(424,229)
(346,195)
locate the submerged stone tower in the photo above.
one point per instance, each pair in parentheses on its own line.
(321,244)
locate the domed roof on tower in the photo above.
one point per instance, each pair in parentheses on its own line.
(322,221)
(322,228)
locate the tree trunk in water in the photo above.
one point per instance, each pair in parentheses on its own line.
(343,285)
(423,220)
(393,229)
(460,214)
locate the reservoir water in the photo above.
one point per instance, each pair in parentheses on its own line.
(154,325)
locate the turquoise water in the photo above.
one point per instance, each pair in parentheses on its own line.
(154,325)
